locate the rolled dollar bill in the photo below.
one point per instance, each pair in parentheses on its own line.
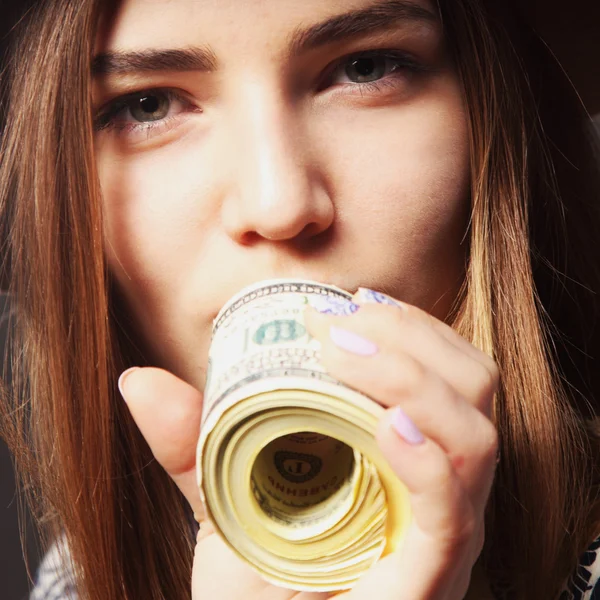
(288,467)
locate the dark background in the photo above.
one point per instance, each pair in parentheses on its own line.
(13,576)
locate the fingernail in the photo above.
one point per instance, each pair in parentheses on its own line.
(328,305)
(352,342)
(406,428)
(122,378)
(367,295)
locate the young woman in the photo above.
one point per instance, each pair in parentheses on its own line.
(158,156)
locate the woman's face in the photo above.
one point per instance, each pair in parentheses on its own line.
(276,138)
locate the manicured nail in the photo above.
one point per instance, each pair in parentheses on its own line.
(348,340)
(122,378)
(329,305)
(367,295)
(405,428)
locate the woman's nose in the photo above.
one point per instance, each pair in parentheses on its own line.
(277,190)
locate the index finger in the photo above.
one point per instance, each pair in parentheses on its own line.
(363,296)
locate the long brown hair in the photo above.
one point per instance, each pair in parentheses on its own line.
(528,300)
(531,301)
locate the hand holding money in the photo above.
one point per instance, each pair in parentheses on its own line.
(441,446)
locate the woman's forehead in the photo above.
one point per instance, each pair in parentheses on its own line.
(136,24)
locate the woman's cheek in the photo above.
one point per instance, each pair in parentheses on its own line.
(402,189)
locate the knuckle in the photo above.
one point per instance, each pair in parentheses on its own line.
(488,379)
(465,535)
(459,539)
(373,314)
(441,480)
(494,370)
(405,375)
(441,476)
(487,361)
(479,541)
(437,479)
(488,439)
(412,371)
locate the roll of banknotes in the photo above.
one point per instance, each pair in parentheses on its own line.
(289,470)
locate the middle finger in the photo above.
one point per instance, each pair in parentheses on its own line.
(393,329)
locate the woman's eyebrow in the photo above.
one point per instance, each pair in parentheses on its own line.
(381,15)
(378,16)
(176,59)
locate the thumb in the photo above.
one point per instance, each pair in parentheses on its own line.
(168,412)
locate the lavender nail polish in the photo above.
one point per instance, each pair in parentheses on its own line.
(329,305)
(367,295)
(352,342)
(406,429)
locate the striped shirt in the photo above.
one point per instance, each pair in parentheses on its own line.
(55,578)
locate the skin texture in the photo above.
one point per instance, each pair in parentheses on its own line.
(281,166)
(272,177)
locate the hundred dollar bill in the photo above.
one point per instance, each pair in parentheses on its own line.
(288,468)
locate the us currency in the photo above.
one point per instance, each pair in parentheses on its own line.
(288,468)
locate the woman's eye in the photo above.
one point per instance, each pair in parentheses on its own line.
(365,69)
(372,67)
(150,107)
(143,109)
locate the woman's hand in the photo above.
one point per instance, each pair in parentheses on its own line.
(436,434)
(168,412)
